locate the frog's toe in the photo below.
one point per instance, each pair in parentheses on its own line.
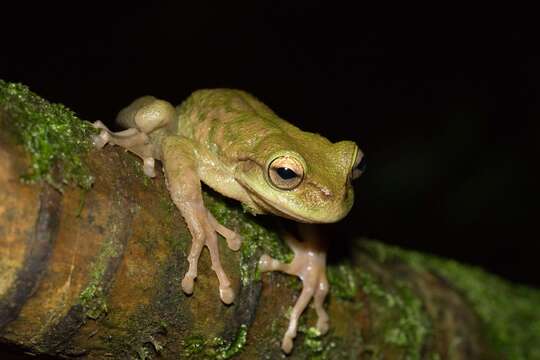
(233,239)
(99,141)
(226,294)
(234,242)
(187,284)
(287,344)
(322,324)
(98,124)
(149,167)
(103,137)
(266,263)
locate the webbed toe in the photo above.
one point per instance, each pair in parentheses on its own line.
(287,344)
(226,294)
(187,284)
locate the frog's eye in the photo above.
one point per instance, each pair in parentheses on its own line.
(359,166)
(285,172)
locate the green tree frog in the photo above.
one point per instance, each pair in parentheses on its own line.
(236,145)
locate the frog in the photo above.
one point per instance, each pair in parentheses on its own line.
(237,146)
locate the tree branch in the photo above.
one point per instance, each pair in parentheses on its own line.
(96,273)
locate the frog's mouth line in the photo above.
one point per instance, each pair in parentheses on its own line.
(274,209)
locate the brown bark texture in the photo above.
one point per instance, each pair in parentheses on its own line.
(96,274)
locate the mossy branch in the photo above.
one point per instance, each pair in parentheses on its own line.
(95,271)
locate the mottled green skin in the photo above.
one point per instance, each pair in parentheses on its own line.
(235,137)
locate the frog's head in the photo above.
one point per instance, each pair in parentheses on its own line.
(302,176)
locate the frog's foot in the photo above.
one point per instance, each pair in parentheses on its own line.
(309,264)
(130,139)
(204,228)
(103,138)
(287,344)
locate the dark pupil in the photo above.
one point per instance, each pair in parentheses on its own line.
(285,173)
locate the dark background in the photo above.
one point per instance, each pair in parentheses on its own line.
(445,105)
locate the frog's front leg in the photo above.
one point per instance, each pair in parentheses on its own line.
(184,186)
(309,264)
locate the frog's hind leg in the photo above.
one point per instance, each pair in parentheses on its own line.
(141,118)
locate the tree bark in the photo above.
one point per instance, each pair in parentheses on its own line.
(96,274)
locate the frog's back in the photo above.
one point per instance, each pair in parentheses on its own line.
(227,120)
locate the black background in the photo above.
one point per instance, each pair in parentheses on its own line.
(444,103)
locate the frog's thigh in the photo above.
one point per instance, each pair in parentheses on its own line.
(146,114)
(185,189)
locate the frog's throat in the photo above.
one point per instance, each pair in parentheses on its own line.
(267,206)
(284,213)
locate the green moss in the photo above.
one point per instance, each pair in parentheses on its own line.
(215,348)
(317,346)
(411,326)
(93,297)
(510,313)
(312,340)
(194,345)
(310,344)
(256,238)
(155,327)
(51,133)
(147,349)
(235,347)
(342,280)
